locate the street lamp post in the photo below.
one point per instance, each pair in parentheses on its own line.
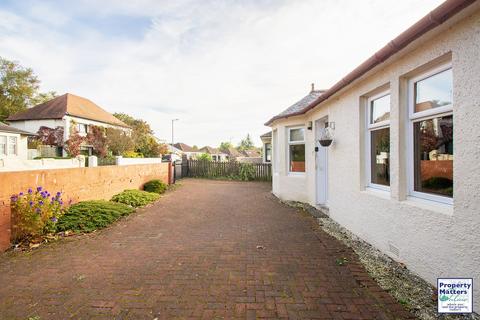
(173,120)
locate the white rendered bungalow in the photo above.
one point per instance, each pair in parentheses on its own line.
(400,167)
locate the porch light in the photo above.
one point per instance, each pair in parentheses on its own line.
(327,134)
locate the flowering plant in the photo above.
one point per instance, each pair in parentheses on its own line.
(35,212)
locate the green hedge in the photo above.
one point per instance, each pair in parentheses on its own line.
(87,216)
(155,186)
(135,198)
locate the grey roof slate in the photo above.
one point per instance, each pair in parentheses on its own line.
(300,105)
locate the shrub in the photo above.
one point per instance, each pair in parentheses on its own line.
(135,198)
(87,216)
(132,154)
(437,183)
(205,157)
(35,213)
(155,186)
(246,171)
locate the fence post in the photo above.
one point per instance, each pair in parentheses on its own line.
(92,161)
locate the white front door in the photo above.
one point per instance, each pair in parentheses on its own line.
(321,163)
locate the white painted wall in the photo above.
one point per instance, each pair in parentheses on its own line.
(434,240)
(121,161)
(7,164)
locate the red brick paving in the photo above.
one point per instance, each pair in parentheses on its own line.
(194,255)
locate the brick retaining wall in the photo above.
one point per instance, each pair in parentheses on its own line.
(76,183)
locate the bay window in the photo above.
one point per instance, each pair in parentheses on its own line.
(378,141)
(431,135)
(296,150)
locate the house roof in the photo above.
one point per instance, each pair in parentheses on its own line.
(266,135)
(6,128)
(68,104)
(300,105)
(251,153)
(210,150)
(184,147)
(432,20)
(233,152)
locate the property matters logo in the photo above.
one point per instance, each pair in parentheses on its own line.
(455,295)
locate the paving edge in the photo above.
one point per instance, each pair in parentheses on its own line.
(409,289)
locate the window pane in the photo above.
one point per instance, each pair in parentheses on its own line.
(12,145)
(3,145)
(297,158)
(380,109)
(380,156)
(268,152)
(433,140)
(434,91)
(297,134)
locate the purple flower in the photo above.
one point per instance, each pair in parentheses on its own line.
(40,202)
(31,203)
(54,219)
(20,194)
(30,191)
(48,194)
(39,189)
(60,202)
(38,210)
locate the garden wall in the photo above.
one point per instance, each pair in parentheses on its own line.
(76,183)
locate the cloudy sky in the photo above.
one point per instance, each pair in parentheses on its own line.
(222,67)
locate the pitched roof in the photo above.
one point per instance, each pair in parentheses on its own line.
(300,105)
(184,147)
(233,152)
(435,18)
(251,153)
(6,128)
(68,104)
(210,150)
(266,135)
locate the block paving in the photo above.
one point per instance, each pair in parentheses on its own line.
(208,250)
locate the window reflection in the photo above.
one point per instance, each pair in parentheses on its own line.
(434,91)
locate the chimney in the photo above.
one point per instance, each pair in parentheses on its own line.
(313,87)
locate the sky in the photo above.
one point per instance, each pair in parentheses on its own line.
(223,68)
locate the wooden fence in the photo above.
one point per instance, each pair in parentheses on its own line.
(231,169)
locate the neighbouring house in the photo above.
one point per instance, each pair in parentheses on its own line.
(13,144)
(188,151)
(67,112)
(232,154)
(267,147)
(216,154)
(391,152)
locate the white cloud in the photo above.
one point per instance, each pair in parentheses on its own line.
(222,67)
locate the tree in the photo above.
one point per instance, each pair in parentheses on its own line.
(18,88)
(74,142)
(205,157)
(118,141)
(225,146)
(50,137)
(97,139)
(142,136)
(44,97)
(195,147)
(246,144)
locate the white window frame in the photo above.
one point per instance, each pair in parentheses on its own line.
(6,145)
(15,152)
(370,127)
(291,143)
(414,117)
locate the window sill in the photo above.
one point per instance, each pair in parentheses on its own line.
(296,174)
(430,205)
(377,192)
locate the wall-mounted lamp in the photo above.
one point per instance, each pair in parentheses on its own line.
(327,134)
(309,125)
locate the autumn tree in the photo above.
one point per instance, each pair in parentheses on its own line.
(19,89)
(96,137)
(142,136)
(50,137)
(118,141)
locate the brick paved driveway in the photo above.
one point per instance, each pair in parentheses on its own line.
(194,255)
